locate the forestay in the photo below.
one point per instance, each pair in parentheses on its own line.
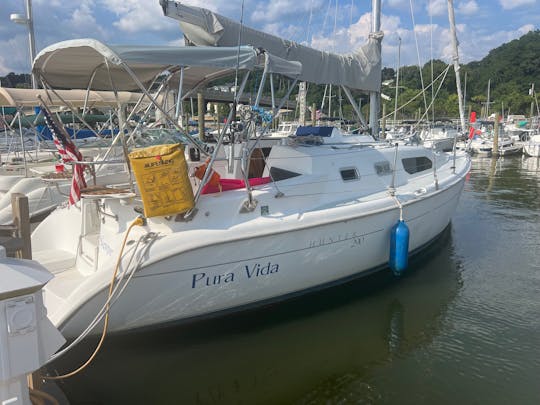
(358,70)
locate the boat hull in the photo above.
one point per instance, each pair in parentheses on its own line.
(235,274)
(532,149)
(440,144)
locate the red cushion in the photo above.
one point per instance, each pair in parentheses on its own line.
(234,184)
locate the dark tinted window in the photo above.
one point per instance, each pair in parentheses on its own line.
(416,164)
(278,174)
(349,174)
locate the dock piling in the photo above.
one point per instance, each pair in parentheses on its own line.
(495,149)
(16,237)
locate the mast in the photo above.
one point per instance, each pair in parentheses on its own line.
(452,20)
(397,82)
(374,95)
(488,102)
(31,41)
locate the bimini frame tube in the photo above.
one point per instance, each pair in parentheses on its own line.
(160,108)
(179,109)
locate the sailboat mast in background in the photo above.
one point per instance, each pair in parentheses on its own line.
(452,19)
(374,95)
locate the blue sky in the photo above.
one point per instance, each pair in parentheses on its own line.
(338,25)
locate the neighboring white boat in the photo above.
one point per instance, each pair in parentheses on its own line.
(515,127)
(45,191)
(29,171)
(481,142)
(532,147)
(509,147)
(323,211)
(483,146)
(439,137)
(284,130)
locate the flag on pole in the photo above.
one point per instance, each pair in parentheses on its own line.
(68,152)
(472,121)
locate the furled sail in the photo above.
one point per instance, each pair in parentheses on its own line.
(358,70)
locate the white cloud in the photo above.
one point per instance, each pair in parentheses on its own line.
(423,29)
(510,4)
(468,7)
(82,21)
(360,30)
(437,7)
(14,56)
(139,16)
(475,45)
(291,32)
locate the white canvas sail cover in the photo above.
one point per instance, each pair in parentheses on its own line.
(80,63)
(358,70)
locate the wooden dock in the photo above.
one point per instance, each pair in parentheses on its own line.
(16,237)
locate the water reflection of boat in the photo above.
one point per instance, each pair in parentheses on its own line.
(313,347)
(494,177)
(531,164)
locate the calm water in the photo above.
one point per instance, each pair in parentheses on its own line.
(462,327)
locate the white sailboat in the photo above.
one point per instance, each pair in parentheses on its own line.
(323,215)
(440,137)
(532,146)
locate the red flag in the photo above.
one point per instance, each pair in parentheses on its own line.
(472,120)
(68,152)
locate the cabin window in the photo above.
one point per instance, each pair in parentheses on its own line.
(278,174)
(382,168)
(349,174)
(416,164)
(257,162)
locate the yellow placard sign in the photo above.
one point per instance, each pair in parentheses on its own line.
(162,176)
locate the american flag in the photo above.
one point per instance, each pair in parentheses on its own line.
(68,152)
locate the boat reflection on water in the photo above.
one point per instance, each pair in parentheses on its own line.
(494,177)
(531,164)
(316,347)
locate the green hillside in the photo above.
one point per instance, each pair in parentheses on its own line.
(512,68)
